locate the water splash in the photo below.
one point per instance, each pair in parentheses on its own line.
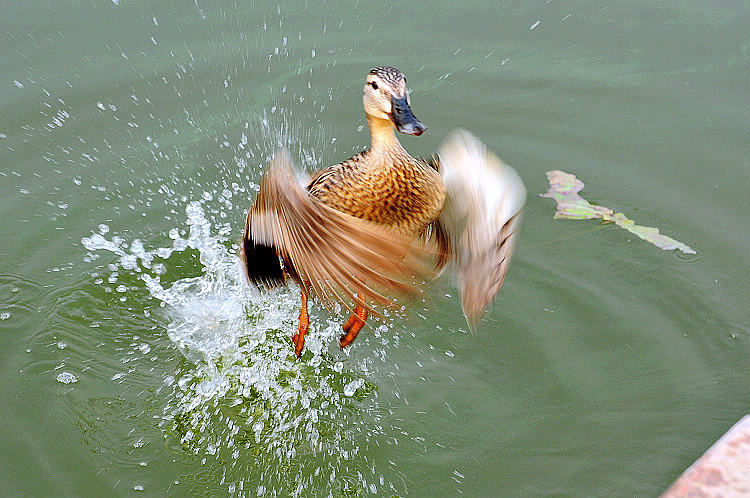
(66,378)
(263,421)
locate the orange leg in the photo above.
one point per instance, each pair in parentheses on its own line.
(304,324)
(353,325)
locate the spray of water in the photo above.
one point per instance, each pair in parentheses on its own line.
(263,421)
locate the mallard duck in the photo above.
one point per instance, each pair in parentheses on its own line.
(366,228)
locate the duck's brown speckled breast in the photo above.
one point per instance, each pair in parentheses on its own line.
(393,189)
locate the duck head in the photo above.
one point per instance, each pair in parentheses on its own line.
(385,97)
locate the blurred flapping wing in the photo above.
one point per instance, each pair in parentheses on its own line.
(481,218)
(334,254)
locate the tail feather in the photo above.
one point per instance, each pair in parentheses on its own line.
(439,243)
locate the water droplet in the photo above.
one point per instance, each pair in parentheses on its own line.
(66,378)
(352,387)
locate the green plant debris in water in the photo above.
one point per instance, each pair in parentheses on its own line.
(564,188)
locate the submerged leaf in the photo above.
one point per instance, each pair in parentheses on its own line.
(651,234)
(564,188)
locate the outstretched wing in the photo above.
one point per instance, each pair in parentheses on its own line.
(334,254)
(481,219)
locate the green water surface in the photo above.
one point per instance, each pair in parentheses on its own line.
(605,367)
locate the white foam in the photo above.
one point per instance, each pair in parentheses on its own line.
(243,391)
(66,378)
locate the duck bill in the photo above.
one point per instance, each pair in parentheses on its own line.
(403,119)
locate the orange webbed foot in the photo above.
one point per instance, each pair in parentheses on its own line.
(353,326)
(304,323)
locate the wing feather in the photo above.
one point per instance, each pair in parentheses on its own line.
(336,255)
(481,218)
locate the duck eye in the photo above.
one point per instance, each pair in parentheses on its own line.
(374,85)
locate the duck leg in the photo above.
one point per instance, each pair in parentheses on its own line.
(304,324)
(353,325)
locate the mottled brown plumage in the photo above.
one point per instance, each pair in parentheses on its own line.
(388,187)
(363,230)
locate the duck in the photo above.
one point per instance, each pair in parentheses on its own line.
(371,230)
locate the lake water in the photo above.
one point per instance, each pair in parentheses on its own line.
(137,361)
